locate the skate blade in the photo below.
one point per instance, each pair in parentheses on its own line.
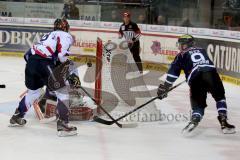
(188,129)
(66,133)
(229,131)
(16,125)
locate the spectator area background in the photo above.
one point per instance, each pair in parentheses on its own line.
(219,14)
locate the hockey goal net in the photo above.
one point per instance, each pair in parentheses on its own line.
(119,86)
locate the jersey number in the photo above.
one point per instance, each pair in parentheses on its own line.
(197,57)
(44,37)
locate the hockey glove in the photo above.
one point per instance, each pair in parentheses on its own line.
(163,89)
(74,80)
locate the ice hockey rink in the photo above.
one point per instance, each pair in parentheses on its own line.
(160,140)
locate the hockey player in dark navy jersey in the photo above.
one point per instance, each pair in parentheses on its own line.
(131,32)
(202,77)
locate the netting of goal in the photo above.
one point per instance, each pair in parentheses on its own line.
(119,86)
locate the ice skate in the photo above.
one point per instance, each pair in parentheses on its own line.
(225,126)
(64,130)
(191,125)
(17,119)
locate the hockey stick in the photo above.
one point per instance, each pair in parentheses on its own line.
(129,125)
(2,86)
(106,122)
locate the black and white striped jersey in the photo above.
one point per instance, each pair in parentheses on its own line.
(130,31)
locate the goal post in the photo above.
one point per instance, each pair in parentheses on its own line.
(98,71)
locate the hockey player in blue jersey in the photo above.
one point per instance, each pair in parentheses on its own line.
(41,59)
(202,77)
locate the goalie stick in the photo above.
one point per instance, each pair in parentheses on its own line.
(128,125)
(106,122)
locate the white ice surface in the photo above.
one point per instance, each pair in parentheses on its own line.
(150,141)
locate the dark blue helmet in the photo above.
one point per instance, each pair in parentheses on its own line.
(186,39)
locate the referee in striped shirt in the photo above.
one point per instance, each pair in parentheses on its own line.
(131,32)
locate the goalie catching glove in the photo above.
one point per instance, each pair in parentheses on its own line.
(74,80)
(163,89)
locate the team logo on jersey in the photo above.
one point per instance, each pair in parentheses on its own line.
(130,26)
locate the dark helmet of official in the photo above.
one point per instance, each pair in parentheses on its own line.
(186,40)
(61,24)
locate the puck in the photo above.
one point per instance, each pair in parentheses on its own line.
(89,64)
(2,86)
